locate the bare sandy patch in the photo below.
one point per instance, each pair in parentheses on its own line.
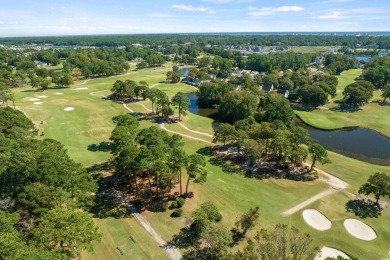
(316,219)
(330,252)
(38,103)
(42,96)
(68,108)
(80,88)
(359,229)
(34,99)
(58,93)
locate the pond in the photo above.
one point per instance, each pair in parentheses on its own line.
(185,71)
(354,142)
(193,108)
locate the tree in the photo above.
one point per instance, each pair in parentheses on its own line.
(253,150)
(248,219)
(281,243)
(13,123)
(312,95)
(66,231)
(318,153)
(237,105)
(224,133)
(195,169)
(359,93)
(6,94)
(276,106)
(385,92)
(181,101)
(378,184)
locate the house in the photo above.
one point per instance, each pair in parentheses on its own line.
(382,53)
(319,59)
(284,92)
(192,81)
(267,88)
(40,63)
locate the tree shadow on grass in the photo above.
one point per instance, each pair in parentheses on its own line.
(101,147)
(363,208)
(186,238)
(237,236)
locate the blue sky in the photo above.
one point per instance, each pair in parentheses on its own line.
(71,17)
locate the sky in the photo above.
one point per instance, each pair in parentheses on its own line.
(84,17)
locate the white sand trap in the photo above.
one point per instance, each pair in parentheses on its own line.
(330,252)
(359,230)
(316,219)
(69,108)
(42,96)
(34,99)
(80,88)
(38,103)
(58,93)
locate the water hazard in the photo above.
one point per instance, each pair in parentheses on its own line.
(355,142)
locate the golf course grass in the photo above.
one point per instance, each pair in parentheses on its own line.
(90,123)
(374,115)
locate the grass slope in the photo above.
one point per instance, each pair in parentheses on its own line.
(90,123)
(118,234)
(373,115)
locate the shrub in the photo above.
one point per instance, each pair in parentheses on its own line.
(174,205)
(313,172)
(180,202)
(176,213)
(165,206)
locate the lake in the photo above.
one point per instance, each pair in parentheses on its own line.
(193,108)
(354,142)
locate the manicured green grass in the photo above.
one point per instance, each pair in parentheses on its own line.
(118,236)
(311,49)
(374,115)
(90,123)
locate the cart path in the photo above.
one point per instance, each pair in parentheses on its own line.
(335,185)
(162,126)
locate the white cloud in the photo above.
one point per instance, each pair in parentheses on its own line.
(271,10)
(74,19)
(227,1)
(190,8)
(57,8)
(332,15)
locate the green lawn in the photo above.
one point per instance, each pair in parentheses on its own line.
(118,236)
(373,116)
(90,123)
(311,49)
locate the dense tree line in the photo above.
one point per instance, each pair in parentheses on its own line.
(152,154)
(44,195)
(270,141)
(204,39)
(378,71)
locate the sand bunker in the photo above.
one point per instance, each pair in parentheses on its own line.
(80,88)
(34,99)
(58,93)
(42,96)
(69,108)
(330,252)
(38,103)
(359,230)
(316,220)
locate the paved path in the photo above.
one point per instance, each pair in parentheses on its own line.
(162,126)
(335,185)
(173,252)
(193,131)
